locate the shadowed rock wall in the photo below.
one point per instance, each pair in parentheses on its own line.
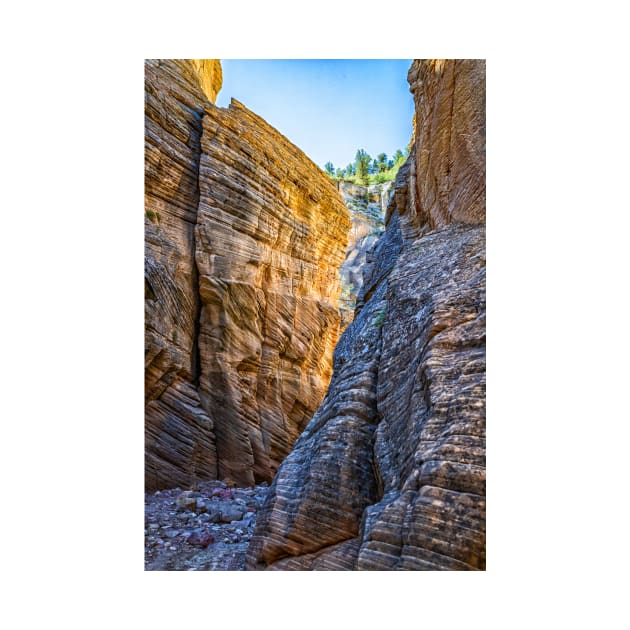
(450,123)
(179,435)
(390,472)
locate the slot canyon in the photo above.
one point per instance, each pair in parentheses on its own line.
(314,349)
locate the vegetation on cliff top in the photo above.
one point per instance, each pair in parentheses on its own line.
(365,170)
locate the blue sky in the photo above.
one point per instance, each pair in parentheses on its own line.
(329,108)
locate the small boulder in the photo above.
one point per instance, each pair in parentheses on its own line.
(186,501)
(213,513)
(200,538)
(222,493)
(232,513)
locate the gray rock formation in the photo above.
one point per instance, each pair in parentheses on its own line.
(390,472)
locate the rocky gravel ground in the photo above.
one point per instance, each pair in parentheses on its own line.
(204,529)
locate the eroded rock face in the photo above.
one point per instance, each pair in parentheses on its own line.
(244,239)
(271,237)
(390,472)
(179,435)
(450,123)
(209,75)
(367,206)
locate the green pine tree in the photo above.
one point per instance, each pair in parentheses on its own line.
(362,166)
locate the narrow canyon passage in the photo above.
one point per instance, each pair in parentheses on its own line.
(256,261)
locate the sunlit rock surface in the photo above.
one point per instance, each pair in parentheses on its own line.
(244,240)
(271,235)
(390,472)
(367,206)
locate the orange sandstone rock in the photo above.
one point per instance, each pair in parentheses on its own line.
(271,236)
(449,182)
(179,435)
(244,239)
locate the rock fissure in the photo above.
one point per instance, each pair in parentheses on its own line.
(195,354)
(238,218)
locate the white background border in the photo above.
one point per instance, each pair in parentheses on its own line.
(72,117)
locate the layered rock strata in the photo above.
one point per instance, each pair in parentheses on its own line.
(244,239)
(367,206)
(179,435)
(450,122)
(390,472)
(271,235)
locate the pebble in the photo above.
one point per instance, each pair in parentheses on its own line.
(185,500)
(200,538)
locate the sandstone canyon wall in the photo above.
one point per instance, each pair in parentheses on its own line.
(390,472)
(244,239)
(179,435)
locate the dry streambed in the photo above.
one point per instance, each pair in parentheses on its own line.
(204,529)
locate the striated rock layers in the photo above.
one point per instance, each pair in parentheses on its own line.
(367,206)
(390,472)
(271,236)
(244,239)
(179,435)
(450,171)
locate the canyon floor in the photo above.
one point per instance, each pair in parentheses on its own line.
(204,529)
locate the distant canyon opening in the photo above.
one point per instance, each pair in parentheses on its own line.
(252,273)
